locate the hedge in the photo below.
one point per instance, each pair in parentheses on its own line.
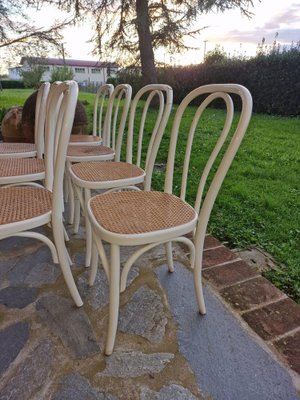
(273,80)
(12,84)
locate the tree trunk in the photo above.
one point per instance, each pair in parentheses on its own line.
(145,43)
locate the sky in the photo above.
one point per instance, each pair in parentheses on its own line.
(234,33)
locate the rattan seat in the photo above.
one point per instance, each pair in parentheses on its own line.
(22,203)
(80,139)
(21,166)
(90,151)
(91,172)
(133,213)
(17,148)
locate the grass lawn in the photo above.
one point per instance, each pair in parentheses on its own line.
(259,202)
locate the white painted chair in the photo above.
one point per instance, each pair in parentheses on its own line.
(89,176)
(149,218)
(36,149)
(18,170)
(113,127)
(28,206)
(102,96)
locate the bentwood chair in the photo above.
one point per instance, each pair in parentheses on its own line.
(88,176)
(36,149)
(28,206)
(102,96)
(17,170)
(150,218)
(114,125)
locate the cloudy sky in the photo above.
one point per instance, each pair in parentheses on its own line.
(232,32)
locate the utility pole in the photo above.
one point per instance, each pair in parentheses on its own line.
(204,51)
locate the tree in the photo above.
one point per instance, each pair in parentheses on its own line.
(33,74)
(19,35)
(135,28)
(62,74)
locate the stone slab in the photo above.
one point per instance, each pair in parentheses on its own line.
(144,315)
(133,364)
(12,340)
(76,387)
(251,294)
(227,362)
(229,274)
(35,269)
(170,392)
(274,319)
(17,297)
(31,374)
(69,323)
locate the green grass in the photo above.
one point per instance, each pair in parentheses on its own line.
(259,202)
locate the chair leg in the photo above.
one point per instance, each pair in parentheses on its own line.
(114,298)
(88,230)
(169,252)
(58,235)
(198,282)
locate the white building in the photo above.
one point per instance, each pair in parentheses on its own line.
(85,72)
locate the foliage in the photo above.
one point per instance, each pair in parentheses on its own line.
(19,35)
(259,202)
(32,75)
(216,56)
(273,79)
(12,84)
(62,74)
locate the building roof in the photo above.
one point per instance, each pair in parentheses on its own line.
(71,62)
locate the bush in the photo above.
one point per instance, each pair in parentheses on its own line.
(12,84)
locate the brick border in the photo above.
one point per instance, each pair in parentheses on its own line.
(268,312)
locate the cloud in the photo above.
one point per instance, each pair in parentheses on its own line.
(255,36)
(289,16)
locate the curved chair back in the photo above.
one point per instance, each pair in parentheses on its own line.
(223,92)
(157,99)
(60,111)
(40,117)
(116,117)
(103,94)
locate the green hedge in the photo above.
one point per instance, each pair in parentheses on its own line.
(273,80)
(12,84)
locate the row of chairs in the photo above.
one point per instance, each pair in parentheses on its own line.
(125,215)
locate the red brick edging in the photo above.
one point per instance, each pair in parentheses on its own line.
(268,311)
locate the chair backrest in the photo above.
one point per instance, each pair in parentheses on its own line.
(59,121)
(149,113)
(103,94)
(116,118)
(40,117)
(222,144)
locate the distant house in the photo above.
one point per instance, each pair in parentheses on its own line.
(85,72)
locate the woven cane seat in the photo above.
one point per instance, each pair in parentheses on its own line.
(140,212)
(77,151)
(9,148)
(21,166)
(22,203)
(84,138)
(106,171)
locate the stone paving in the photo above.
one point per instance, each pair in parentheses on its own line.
(49,349)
